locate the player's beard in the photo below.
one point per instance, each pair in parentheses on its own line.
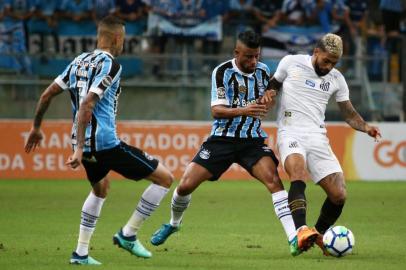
(320,72)
(247,69)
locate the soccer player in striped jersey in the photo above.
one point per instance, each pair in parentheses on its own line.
(238,102)
(93,82)
(306,83)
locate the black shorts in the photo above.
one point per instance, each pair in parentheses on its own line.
(127,160)
(218,153)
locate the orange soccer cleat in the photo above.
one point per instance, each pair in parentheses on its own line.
(306,237)
(319,242)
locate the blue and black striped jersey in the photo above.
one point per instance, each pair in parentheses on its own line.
(233,88)
(96,72)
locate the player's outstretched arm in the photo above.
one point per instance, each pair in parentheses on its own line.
(84,117)
(35,136)
(352,117)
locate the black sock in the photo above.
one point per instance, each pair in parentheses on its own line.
(297,202)
(328,215)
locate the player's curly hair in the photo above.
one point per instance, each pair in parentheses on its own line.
(250,39)
(331,43)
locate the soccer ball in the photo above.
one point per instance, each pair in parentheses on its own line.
(339,241)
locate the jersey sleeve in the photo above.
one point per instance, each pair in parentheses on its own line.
(63,79)
(108,72)
(282,70)
(343,93)
(218,87)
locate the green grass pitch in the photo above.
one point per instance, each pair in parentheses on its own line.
(229,225)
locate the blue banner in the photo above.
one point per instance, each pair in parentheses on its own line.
(185,27)
(294,39)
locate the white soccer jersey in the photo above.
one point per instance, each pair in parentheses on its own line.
(304,95)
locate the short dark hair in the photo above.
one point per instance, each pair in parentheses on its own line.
(250,39)
(111,21)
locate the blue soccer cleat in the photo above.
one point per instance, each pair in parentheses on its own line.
(294,247)
(160,236)
(131,244)
(83,260)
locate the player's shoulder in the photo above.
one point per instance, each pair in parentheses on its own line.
(104,56)
(105,59)
(223,67)
(81,56)
(296,58)
(293,60)
(263,66)
(336,74)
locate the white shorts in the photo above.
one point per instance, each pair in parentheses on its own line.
(316,150)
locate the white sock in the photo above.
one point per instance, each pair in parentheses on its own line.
(90,213)
(150,200)
(178,206)
(280,203)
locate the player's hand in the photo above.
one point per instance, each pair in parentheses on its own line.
(268,99)
(255,110)
(34,139)
(75,160)
(374,132)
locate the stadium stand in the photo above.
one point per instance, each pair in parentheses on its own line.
(173,45)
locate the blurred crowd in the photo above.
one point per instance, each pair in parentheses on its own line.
(352,17)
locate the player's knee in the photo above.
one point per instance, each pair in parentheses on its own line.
(186,186)
(298,173)
(167,180)
(273,182)
(339,197)
(102,188)
(183,189)
(103,193)
(100,193)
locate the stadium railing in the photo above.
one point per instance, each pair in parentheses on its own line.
(184,79)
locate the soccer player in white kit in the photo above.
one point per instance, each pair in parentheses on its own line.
(306,83)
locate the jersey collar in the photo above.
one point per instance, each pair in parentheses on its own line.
(239,71)
(106,52)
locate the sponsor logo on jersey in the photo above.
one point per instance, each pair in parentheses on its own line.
(221,93)
(85,64)
(288,114)
(81,73)
(242,89)
(325,86)
(243,102)
(293,144)
(204,154)
(310,83)
(106,81)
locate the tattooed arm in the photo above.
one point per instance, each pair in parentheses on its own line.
(35,136)
(274,85)
(84,117)
(352,117)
